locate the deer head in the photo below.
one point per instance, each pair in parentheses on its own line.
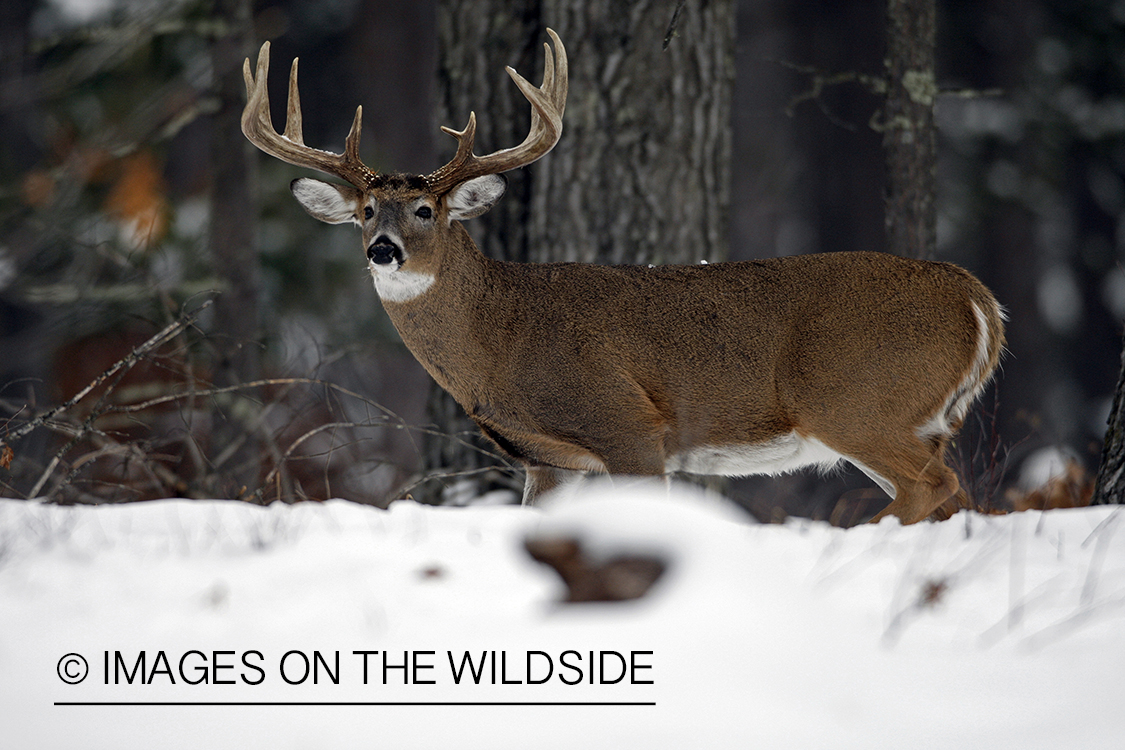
(406,220)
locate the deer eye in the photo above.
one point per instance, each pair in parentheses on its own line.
(368,212)
(425,212)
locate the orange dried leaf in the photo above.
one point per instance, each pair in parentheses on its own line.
(38,188)
(137,199)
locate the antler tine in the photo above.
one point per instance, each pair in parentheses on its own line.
(562,75)
(465,139)
(555,89)
(293,128)
(257,126)
(547,104)
(351,142)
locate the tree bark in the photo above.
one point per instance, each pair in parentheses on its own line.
(908,128)
(1109,487)
(231,238)
(642,172)
(16,88)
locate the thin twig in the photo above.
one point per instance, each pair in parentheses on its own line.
(672,27)
(296,444)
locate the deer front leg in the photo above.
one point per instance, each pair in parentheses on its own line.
(620,433)
(543,479)
(619,464)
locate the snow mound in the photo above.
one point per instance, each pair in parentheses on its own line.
(340,625)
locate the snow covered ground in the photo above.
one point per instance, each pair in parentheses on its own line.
(980,632)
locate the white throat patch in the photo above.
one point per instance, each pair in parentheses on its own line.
(394,285)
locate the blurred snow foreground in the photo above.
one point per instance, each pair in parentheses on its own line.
(218,624)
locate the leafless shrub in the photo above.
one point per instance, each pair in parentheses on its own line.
(143,428)
(981,458)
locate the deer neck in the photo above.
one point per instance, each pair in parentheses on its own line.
(441,326)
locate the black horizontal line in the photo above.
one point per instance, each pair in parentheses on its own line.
(355,703)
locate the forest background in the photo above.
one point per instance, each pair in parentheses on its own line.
(257,362)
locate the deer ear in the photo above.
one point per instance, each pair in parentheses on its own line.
(334,204)
(473,197)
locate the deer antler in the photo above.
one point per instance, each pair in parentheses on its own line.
(547,105)
(257,126)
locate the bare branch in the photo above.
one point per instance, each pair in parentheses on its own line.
(819,80)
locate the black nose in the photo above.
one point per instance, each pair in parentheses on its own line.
(384,250)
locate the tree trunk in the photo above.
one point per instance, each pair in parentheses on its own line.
(16,88)
(642,171)
(235,328)
(908,128)
(1109,489)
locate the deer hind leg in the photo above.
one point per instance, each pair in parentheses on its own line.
(924,484)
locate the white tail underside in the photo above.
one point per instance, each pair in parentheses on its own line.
(957,405)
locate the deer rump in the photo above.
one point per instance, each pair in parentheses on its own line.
(734,368)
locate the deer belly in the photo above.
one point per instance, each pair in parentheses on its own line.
(780,455)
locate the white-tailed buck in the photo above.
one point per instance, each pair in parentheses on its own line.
(731,368)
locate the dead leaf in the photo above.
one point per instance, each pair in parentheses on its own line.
(138,201)
(38,188)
